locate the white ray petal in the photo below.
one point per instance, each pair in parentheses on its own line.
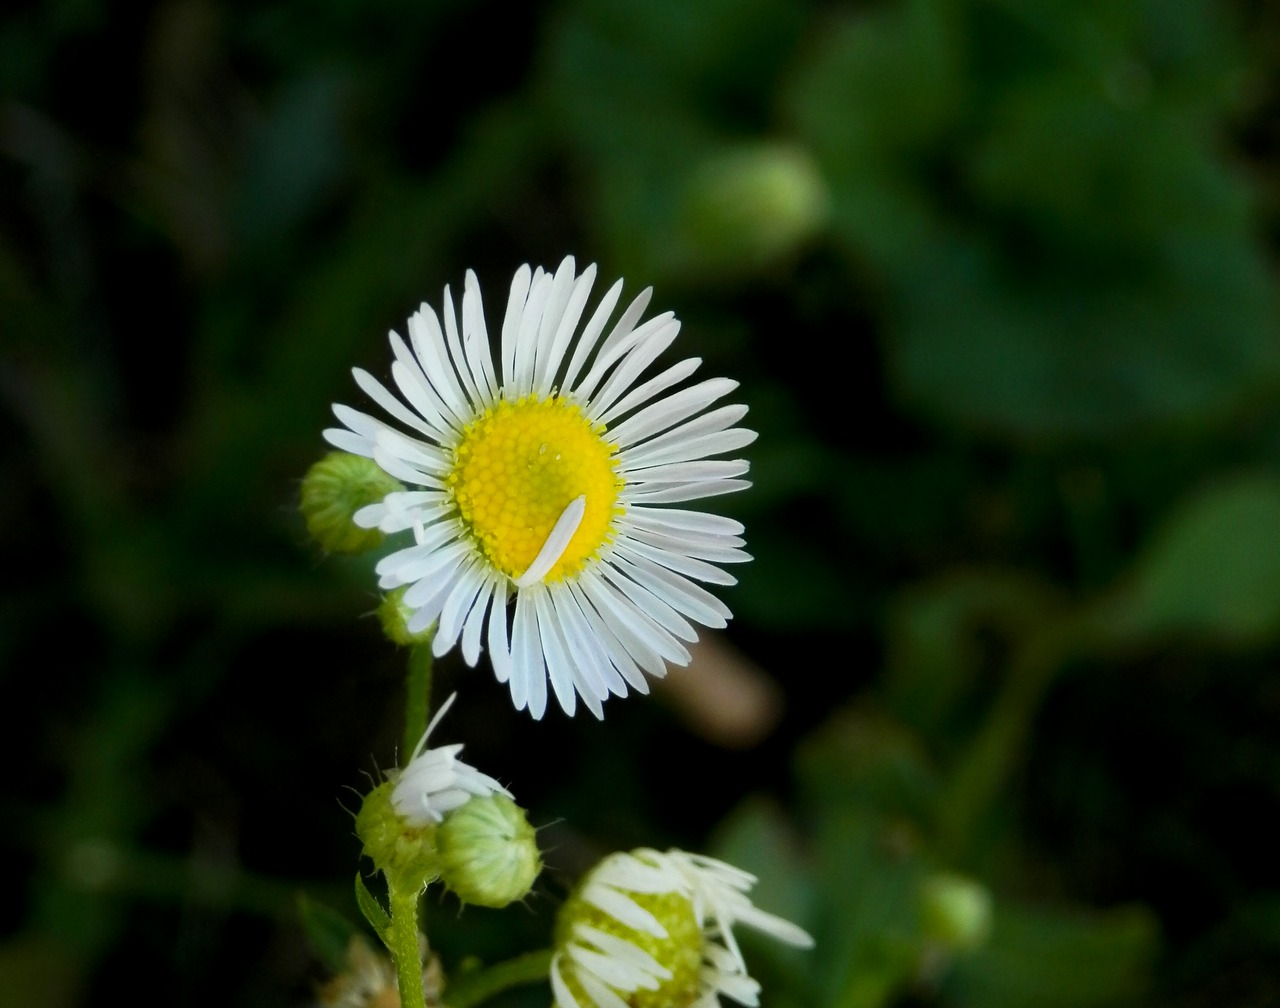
(457,606)
(557,542)
(677,591)
(562,285)
(659,494)
(668,412)
(677,562)
(453,340)
(717,443)
(499,644)
(611,356)
(379,393)
(428,343)
(693,521)
(521,382)
(700,471)
(591,333)
(565,684)
(643,600)
(643,393)
(516,301)
(563,996)
(551,362)
(474,625)
(643,353)
(475,340)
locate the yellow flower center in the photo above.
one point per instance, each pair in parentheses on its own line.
(680,951)
(518,466)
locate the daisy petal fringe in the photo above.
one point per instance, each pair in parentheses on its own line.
(546,476)
(647,929)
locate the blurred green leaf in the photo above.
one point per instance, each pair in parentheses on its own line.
(758,838)
(1214,569)
(1067,254)
(868,932)
(647,94)
(1045,959)
(37,973)
(947,639)
(865,761)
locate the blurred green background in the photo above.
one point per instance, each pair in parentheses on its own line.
(998,278)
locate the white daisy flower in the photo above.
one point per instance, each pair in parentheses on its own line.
(436,781)
(648,929)
(546,477)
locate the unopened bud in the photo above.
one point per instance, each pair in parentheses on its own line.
(333,490)
(488,851)
(752,205)
(394,616)
(955,911)
(406,851)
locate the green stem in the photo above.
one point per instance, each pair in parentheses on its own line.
(403,944)
(417,696)
(995,751)
(469,989)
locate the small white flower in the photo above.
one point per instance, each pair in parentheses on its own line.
(546,476)
(647,929)
(435,781)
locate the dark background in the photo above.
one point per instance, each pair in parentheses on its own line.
(999,281)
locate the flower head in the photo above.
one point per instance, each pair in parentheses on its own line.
(398,820)
(436,782)
(648,929)
(545,476)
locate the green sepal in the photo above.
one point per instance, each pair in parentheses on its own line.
(372,910)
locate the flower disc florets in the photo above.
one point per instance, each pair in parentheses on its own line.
(518,468)
(654,930)
(546,474)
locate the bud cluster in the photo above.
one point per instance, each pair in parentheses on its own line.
(439,818)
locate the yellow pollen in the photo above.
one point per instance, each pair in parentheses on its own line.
(518,466)
(680,951)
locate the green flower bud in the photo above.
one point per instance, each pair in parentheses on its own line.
(333,490)
(394,615)
(751,206)
(488,852)
(955,911)
(405,851)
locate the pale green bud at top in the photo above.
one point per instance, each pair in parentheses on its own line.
(955,911)
(333,490)
(404,850)
(488,851)
(394,615)
(752,205)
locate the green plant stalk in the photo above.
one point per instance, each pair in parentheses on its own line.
(402,942)
(995,751)
(474,988)
(404,897)
(417,696)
